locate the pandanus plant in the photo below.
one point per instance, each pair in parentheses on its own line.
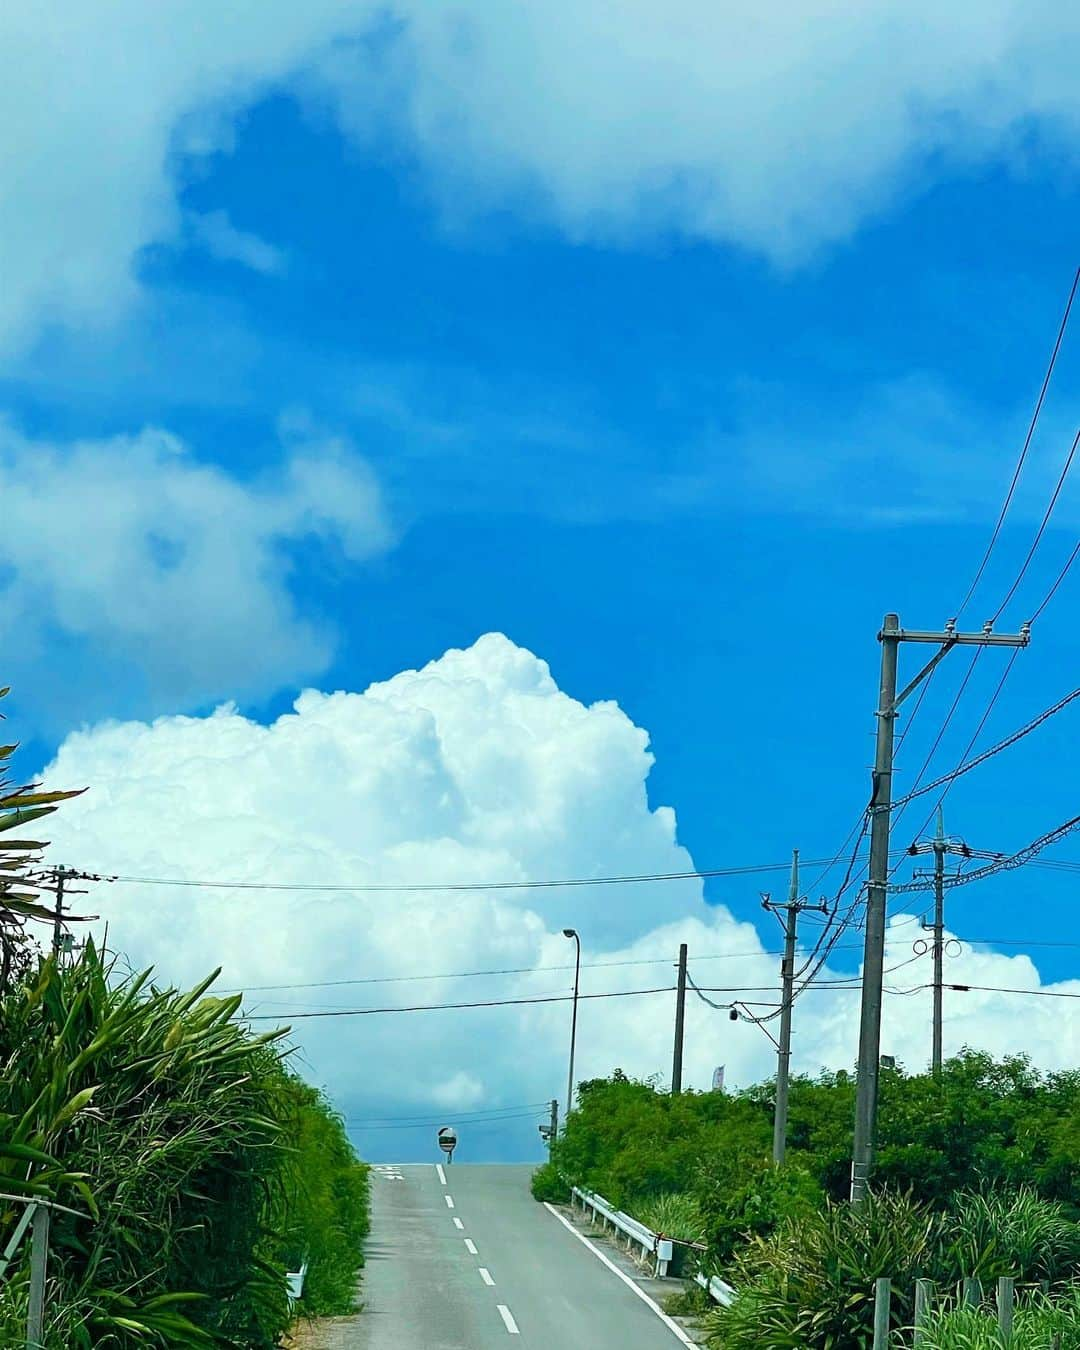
(150,1111)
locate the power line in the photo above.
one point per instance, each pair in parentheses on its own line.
(1041,530)
(657,961)
(1026,447)
(1005,863)
(505,970)
(1060,578)
(443,1007)
(474,1127)
(966,765)
(1001,989)
(974,737)
(424,888)
(465,1118)
(941,732)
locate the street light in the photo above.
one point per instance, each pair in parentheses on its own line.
(571,933)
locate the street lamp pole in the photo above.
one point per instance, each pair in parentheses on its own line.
(571,933)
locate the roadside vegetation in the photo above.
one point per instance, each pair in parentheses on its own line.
(195,1169)
(978,1175)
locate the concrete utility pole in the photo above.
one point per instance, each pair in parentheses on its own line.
(680,1019)
(550,1132)
(58,914)
(890,637)
(572,933)
(787,975)
(939,846)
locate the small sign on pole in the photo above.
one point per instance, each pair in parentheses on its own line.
(718,1079)
(448,1141)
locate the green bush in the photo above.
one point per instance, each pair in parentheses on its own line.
(676,1215)
(751,1199)
(324,1208)
(1037,1321)
(809,1286)
(549,1184)
(1011,1233)
(184,1143)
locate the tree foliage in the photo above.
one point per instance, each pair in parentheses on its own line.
(981,1124)
(199,1166)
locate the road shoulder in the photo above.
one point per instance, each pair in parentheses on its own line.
(659,1290)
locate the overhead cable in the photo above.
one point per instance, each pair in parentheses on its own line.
(443,1007)
(1026,447)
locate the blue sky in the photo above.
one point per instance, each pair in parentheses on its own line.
(686,461)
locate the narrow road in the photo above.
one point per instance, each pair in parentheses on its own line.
(476,1264)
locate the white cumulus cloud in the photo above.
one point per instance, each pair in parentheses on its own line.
(477,768)
(169,571)
(778,129)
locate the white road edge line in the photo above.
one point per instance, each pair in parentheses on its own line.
(485,1275)
(470,1247)
(671,1326)
(457,1222)
(507,1317)
(442,1174)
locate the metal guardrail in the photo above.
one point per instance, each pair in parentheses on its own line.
(652,1244)
(718,1291)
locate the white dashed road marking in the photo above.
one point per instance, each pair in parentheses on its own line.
(485,1275)
(449,1202)
(442,1174)
(470,1247)
(458,1223)
(508,1319)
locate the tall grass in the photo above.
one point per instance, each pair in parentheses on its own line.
(992,1233)
(1036,1324)
(675,1215)
(165,1122)
(809,1286)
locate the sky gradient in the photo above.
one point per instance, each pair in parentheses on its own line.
(342,340)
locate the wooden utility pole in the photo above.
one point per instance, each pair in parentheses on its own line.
(866,1092)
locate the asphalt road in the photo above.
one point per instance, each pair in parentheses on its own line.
(477,1264)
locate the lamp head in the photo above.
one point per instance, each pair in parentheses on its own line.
(569,932)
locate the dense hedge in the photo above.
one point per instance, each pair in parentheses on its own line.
(977,1173)
(202,1167)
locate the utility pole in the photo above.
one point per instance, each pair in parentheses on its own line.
(787,976)
(680,1018)
(550,1131)
(939,846)
(890,637)
(58,914)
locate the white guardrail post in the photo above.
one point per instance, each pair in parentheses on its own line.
(295,1281)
